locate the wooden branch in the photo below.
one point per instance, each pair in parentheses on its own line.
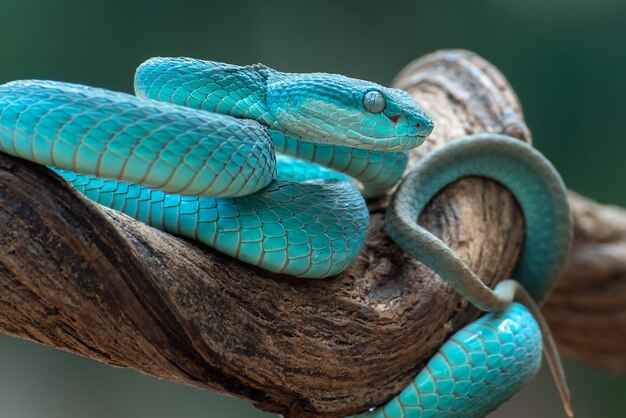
(94,282)
(587,310)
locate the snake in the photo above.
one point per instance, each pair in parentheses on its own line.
(274,169)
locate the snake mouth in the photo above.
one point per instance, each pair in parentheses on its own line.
(395,143)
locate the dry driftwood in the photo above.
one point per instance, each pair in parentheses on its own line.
(97,283)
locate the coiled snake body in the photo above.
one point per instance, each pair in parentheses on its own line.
(203,165)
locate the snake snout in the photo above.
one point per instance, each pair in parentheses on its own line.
(426,129)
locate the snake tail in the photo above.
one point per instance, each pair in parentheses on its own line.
(540,193)
(511,289)
(533,181)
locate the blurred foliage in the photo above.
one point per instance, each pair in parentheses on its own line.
(566,60)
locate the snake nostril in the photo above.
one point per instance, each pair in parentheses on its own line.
(418,125)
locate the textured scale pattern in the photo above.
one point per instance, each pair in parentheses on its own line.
(376,171)
(116,135)
(293,169)
(212,86)
(476,370)
(284,228)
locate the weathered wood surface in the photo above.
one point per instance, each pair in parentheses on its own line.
(92,281)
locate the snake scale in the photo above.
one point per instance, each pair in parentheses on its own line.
(194,153)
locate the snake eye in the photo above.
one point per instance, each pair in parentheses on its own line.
(374,102)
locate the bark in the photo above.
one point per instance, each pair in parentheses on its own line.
(92,281)
(587,310)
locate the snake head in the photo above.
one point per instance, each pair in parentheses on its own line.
(330,108)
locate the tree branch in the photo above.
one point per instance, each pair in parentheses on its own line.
(94,282)
(587,311)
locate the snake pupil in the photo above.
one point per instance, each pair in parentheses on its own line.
(374,101)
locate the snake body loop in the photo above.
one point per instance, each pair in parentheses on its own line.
(203,165)
(533,181)
(477,369)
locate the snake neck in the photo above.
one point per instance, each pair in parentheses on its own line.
(239,91)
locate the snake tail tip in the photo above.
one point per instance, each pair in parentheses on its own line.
(568,409)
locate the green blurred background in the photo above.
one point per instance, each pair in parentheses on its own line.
(566,60)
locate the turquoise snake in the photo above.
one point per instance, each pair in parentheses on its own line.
(208,171)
